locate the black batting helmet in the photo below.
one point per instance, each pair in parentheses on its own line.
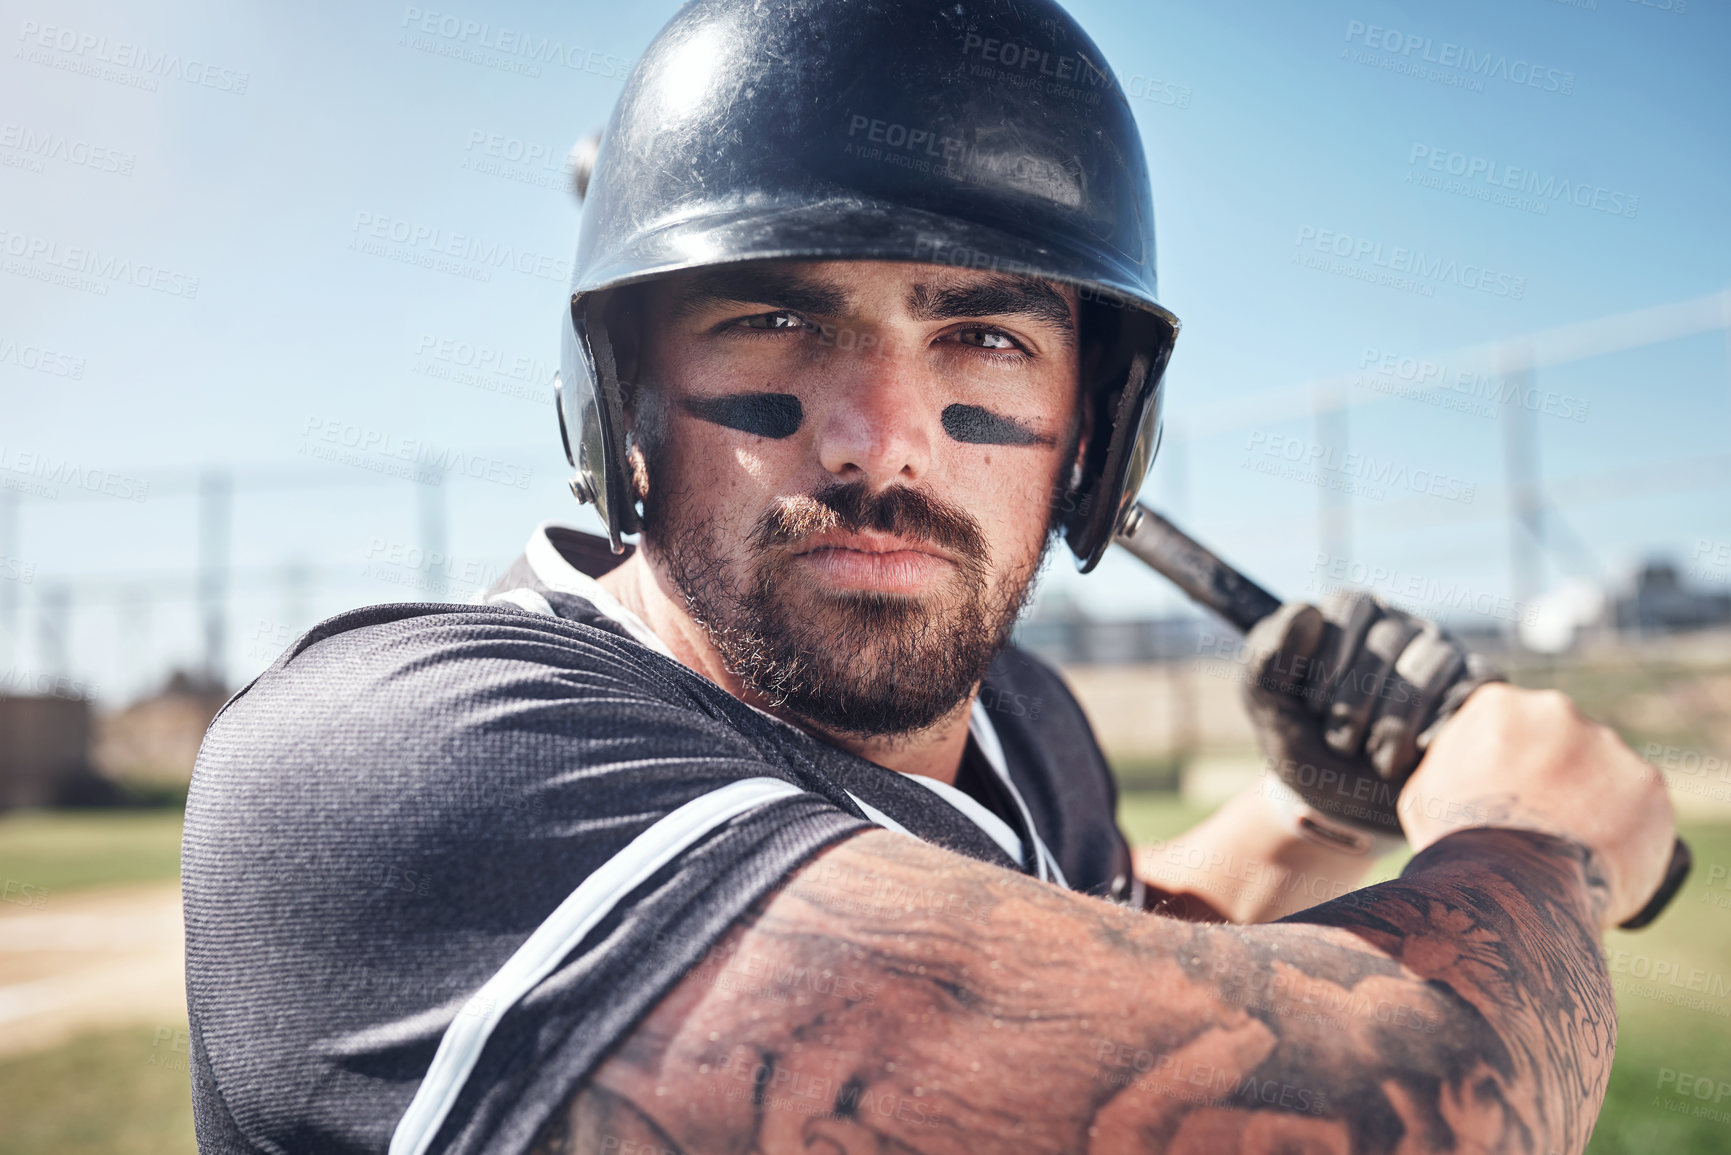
(988,134)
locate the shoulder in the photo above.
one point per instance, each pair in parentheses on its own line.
(414,795)
(484,716)
(419,638)
(430,664)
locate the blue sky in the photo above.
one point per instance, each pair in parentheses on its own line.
(244,161)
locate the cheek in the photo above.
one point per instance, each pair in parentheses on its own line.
(724,477)
(1010,495)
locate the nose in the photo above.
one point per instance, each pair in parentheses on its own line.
(876,425)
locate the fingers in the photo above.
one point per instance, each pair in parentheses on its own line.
(1424,671)
(1282,650)
(1477,672)
(1389,675)
(1364,681)
(1347,691)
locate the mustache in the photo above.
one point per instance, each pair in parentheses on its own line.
(852,507)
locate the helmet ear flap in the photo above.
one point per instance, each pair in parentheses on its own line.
(592,420)
(1124,438)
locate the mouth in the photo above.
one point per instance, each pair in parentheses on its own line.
(874,561)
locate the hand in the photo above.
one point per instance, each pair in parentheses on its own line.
(1529,759)
(1345,699)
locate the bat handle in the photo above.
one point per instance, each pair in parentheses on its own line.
(1216,586)
(1193,568)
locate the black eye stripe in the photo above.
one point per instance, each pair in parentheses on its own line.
(774,415)
(978,426)
(779,415)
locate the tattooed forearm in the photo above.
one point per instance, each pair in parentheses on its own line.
(596,1121)
(1461,1007)
(1507,922)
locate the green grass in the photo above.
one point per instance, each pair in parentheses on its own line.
(116,1093)
(62,850)
(1150,815)
(1654,1037)
(1148,774)
(123,1091)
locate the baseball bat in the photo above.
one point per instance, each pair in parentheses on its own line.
(1216,586)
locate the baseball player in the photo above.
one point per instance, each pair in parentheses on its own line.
(754,834)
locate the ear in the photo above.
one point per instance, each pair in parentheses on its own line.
(639,467)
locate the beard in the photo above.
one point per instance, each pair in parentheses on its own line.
(848,662)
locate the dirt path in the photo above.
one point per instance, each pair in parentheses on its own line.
(90,960)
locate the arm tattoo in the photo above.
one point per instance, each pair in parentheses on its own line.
(1462,1007)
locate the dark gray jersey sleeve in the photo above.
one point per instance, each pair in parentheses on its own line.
(438,858)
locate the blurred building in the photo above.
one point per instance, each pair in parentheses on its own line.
(1660,604)
(55,750)
(44,750)
(150,746)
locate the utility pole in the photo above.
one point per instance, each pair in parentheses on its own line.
(1180,673)
(132,620)
(1521,479)
(297,585)
(215,502)
(434,560)
(53,629)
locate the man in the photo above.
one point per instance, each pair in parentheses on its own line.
(757,837)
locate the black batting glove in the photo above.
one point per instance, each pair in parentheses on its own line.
(1345,699)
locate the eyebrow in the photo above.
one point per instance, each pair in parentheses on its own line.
(1005,295)
(777,288)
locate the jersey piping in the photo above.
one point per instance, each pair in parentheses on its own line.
(996,828)
(562,932)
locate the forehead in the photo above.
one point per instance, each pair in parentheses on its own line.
(832,288)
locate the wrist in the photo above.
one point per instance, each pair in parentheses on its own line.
(1303,822)
(1575,869)
(1428,816)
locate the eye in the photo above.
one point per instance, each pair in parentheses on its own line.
(780,319)
(994,340)
(987,338)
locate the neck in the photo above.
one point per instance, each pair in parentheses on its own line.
(935,752)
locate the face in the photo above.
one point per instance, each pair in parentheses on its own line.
(849,473)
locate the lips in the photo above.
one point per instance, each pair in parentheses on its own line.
(878,562)
(870,543)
